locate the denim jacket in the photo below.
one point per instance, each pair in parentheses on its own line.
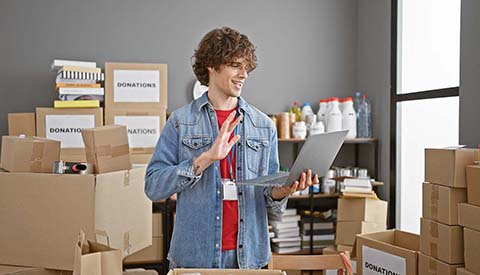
(197,234)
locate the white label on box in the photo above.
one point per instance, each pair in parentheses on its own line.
(136,86)
(335,271)
(376,262)
(143,131)
(67,129)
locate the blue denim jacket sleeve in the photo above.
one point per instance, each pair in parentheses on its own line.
(165,176)
(277,206)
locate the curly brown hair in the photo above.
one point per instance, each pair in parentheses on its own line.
(221,47)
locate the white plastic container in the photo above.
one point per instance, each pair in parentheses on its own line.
(317,128)
(322,110)
(306,110)
(299,129)
(334,117)
(349,118)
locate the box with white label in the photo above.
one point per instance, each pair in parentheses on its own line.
(65,125)
(143,126)
(387,252)
(135,85)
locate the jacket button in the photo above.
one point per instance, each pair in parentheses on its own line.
(240,246)
(240,193)
(241,220)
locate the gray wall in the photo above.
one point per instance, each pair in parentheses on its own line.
(307,49)
(469,74)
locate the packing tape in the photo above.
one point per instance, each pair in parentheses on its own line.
(434,211)
(433,249)
(112,151)
(432,266)
(37,156)
(434,200)
(434,229)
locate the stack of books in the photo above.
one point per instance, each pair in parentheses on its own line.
(287,232)
(317,228)
(78,84)
(356,187)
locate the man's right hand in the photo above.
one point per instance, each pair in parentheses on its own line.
(221,147)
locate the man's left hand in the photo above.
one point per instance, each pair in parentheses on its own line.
(302,183)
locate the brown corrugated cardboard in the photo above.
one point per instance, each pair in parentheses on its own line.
(123,89)
(21,270)
(94,258)
(473,184)
(140,271)
(150,254)
(29,154)
(346,231)
(21,124)
(431,266)
(144,126)
(472,248)
(107,148)
(387,249)
(72,154)
(468,216)
(140,158)
(224,272)
(447,166)
(440,203)
(45,212)
(157,225)
(463,271)
(342,248)
(441,241)
(369,210)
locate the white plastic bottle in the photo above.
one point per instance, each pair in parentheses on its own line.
(322,110)
(334,117)
(316,128)
(349,118)
(299,130)
(306,110)
(329,107)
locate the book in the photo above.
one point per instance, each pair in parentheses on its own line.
(79,85)
(81,91)
(279,225)
(291,239)
(287,234)
(79,69)
(76,104)
(357,189)
(271,234)
(370,195)
(75,81)
(285,218)
(287,230)
(58,63)
(356,182)
(81,97)
(80,75)
(290,212)
(284,250)
(328,237)
(318,232)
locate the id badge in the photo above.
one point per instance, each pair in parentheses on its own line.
(229,190)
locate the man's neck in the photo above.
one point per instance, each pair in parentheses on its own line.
(220,101)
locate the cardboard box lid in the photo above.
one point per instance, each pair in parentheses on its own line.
(21,124)
(225,271)
(468,216)
(446,166)
(405,241)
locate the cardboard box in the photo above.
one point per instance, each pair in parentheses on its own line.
(150,254)
(440,203)
(472,248)
(346,231)
(342,248)
(224,271)
(463,271)
(468,216)
(368,210)
(447,166)
(22,270)
(74,155)
(107,148)
(140,158)
(140,271)
(29,154)
(21,124)
(431,266)
(144,126)
(45,213)
(135,85)
(157,225)
(394,250)
(441,241)
(473,184)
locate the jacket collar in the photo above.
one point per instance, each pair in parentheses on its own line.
(203,101)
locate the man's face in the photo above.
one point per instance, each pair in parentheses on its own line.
(229,78)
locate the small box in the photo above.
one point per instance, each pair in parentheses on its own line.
(472,248)
(441,241)
(29,154)
(431,266)
(346,231)
(440,203)
(368,210)
(468,216)
(392,250)
(107,148)
(144,126)
(342,248)
(463,271)
(21,124)
(473,184)
(135,86)
(447,166)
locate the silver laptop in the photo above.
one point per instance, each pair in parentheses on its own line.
(317,154)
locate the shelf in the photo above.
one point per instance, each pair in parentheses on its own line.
(315,196)
(348,141)
(305,251)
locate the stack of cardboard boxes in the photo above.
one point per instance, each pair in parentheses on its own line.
(136,96)
(359,216)
(469,218)
(43,213)
(441,236)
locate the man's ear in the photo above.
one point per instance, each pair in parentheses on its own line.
(211,69)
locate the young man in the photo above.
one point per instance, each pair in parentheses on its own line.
(205,147)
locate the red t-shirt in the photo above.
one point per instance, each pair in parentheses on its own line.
(230,208)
